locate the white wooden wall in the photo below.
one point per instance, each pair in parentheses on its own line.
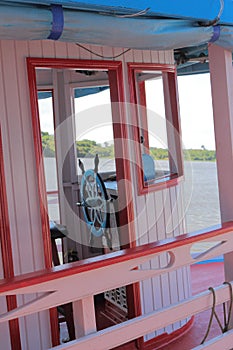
(159,214)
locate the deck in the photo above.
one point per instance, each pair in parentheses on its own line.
(122,266)
(203,277)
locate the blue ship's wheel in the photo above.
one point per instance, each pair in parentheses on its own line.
(94,202)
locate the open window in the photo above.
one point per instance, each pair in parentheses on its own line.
(83,118)
(77,113)
(156,127)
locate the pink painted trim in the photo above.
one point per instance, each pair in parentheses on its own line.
(111,258)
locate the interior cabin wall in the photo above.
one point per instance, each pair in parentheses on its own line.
(158,215)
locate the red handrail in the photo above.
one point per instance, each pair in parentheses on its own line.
(89,264)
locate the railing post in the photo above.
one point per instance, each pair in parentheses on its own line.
(221,74)
(84,316)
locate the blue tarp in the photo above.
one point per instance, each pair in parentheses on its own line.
(197,10)
(30,22)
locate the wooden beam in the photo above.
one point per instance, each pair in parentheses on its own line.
(221,74)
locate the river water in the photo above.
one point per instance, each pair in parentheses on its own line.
(201,196)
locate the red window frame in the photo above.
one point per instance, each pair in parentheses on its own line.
(126,217)
(171,105)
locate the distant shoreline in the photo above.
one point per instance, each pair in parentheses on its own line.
(105,157)
(199,155)
(89,148)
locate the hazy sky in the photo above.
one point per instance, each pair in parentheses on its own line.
(195,110)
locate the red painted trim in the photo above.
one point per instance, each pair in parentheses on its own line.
(6,250)
(161,186)
(61,63)
(170,71)
(42,189)
(142,99)
(39,164)
(126,216)
(171,93)
(120,132)
(139,67)
(165,338)
(94,263)
(52,192)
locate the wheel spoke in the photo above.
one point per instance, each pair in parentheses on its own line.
(98,217)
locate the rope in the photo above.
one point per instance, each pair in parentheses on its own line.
(227,317)
(227,323)
(211,315)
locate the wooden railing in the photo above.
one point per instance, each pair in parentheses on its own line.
(80,281)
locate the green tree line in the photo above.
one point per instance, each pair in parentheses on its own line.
(89,148)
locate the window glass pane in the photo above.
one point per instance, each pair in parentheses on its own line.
(45,102)
(157,130)
(94,110)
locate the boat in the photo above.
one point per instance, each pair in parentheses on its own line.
(93,233)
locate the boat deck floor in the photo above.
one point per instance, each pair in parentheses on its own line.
(203,276)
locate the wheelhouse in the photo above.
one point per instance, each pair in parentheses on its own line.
(93,225)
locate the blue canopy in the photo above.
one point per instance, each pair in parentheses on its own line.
(198,10)
(117,24)
(80,92)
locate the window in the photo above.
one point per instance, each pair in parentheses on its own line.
(156,127)
(94,103)
(46,119)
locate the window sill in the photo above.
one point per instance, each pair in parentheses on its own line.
(160,183)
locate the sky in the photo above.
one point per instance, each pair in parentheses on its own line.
(195,112)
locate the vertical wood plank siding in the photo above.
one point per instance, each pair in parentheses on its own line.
(153,219)
(6,259)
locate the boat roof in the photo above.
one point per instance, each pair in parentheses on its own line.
(205,10)
(185,26)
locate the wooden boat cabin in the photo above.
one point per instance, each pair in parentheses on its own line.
(93,236)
